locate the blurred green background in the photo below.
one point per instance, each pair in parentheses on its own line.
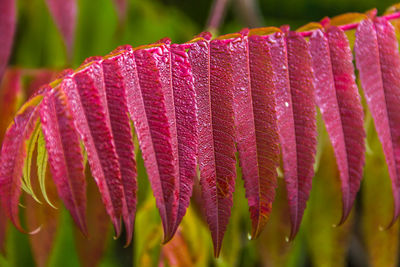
(39,45)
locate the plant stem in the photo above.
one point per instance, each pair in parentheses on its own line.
(353,26)
(217,14)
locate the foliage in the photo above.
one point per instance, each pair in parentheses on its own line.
(203,113)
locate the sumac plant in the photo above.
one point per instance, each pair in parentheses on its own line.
(193,106)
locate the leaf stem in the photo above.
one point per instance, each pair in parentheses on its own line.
(352,26)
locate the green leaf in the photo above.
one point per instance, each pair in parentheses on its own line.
(41,162)
(30,148)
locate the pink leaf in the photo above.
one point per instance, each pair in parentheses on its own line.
(65,155)
(378,62)
(296,118)
(13,154)
(87,102)
(7,29)
(115,88)
(338,99)
(211,64)
(64,13)
(186,121)
(150,103)
(260,181)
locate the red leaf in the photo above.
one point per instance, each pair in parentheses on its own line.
(64,13)
(87,102)
(150,103)
(10,93)
(186,121)
(340,104)
(378,62)
(91,248)
(7,29)
(115,88)
(65,155)
(43,242)
(13,153)
(212,71)
(296,118)
(263,137)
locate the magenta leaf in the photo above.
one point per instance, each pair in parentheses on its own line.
(13,154)
(213,80)
(340,104)
(257,127)
(7,29)
(65,155)
(186,122)
(296,118)
(150,103)
(378,62)
(115,88)
(88,105)
(64,14)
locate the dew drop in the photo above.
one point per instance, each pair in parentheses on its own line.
(286,104)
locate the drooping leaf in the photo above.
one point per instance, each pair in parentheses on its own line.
(115,88)
(10,95)
(11,92)
(7,29)
(260,182)
(42,243)
(41,162)
(26,173)
(176,252)
(186,121)
(13,153)
(64,154)
(338,99)
(213,82)
(64,13)
(296,118)
(89,114)
(378,62)
(324,208)
(91,248)
(381,246)
(151,106)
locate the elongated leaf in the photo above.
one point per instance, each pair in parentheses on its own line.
(65,155)
(382,247)
(64,13)
(91,249)
(296,118)
(212,71)
(257,105)
(378,62)
(13,153)
(26,174)
(10,95)
(150,107)
(338,99)
(87,105)
(118,111)
(42,243)
(186,121)
(7,29)
(41,162)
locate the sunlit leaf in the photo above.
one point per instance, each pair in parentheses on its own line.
(378,61)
